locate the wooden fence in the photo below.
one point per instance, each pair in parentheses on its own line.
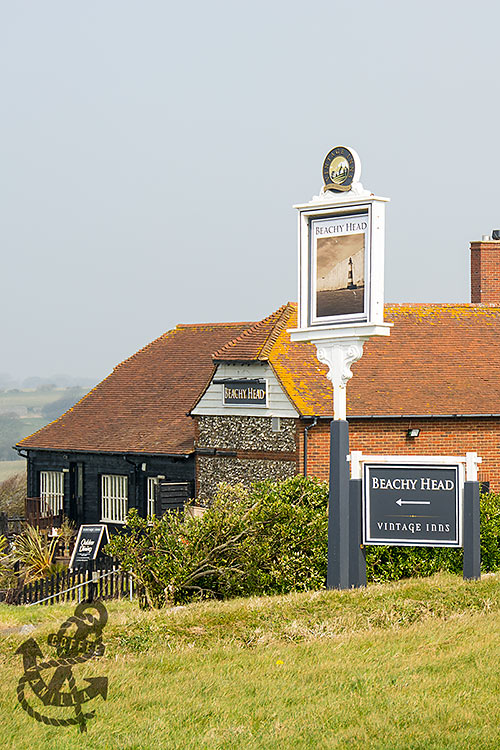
(96,581)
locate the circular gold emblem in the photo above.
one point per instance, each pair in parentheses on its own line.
(338,169)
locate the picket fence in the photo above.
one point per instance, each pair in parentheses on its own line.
(95,581)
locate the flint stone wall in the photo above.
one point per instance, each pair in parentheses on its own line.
(216,469)
(246,433)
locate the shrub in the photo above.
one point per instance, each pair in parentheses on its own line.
(268,539)
(271,538)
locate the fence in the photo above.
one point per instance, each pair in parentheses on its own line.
(39,514)
(98,580)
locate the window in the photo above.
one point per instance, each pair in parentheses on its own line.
(114,496)
(51,493)
(152,484)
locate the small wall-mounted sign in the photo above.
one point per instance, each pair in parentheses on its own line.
(244,392)
(416,505)
(91,538)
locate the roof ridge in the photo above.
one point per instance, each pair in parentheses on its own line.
(248,331)
(277,329)
(229,324)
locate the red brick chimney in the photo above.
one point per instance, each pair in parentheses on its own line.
(485,270)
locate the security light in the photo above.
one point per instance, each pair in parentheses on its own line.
(413,432)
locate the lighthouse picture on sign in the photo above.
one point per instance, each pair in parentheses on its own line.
(339,246)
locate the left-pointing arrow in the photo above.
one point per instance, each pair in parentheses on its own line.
(412,502)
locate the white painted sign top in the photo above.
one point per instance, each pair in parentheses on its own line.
(341,269)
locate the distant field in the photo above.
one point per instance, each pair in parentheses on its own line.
(9,468)
(23,412)
(19,400)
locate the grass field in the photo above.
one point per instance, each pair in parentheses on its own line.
(9,468)
(15,399)
(23,412)
(393,667)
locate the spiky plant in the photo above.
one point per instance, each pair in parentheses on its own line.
(34,552)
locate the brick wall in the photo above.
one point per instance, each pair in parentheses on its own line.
(485,271)
(451,437)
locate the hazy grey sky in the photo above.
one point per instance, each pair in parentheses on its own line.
(151,152)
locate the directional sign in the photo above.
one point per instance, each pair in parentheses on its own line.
(416,505)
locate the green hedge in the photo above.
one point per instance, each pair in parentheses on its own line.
(269,539)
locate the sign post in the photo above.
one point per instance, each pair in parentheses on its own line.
(341,305)
(416,500)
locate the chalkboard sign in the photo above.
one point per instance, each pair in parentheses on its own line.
(90,539)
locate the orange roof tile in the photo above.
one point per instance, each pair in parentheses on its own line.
(438,359)
(256,343)
(141,407)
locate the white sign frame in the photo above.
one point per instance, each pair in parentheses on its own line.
(467,472)
(455,543)
(373,313)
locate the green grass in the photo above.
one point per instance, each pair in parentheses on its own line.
(394,667)
(9,468)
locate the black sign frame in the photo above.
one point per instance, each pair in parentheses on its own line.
(89,529)
(369,539)
(245,384)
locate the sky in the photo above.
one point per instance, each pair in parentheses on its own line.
(152,152)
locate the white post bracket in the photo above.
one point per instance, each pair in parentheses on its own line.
(340,355)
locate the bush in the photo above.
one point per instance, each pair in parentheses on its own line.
(269,539)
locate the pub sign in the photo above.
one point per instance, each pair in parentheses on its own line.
(341,251)
(418,505)
(244,392)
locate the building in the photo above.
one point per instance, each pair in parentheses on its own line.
(240,402)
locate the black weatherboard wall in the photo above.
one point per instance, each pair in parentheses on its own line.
(82,481)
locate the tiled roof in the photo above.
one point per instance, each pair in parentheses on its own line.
(438,359)
(256,343)
(141,407)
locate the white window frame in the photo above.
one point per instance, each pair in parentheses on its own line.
(51,493)
(114,498)
(152,483)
